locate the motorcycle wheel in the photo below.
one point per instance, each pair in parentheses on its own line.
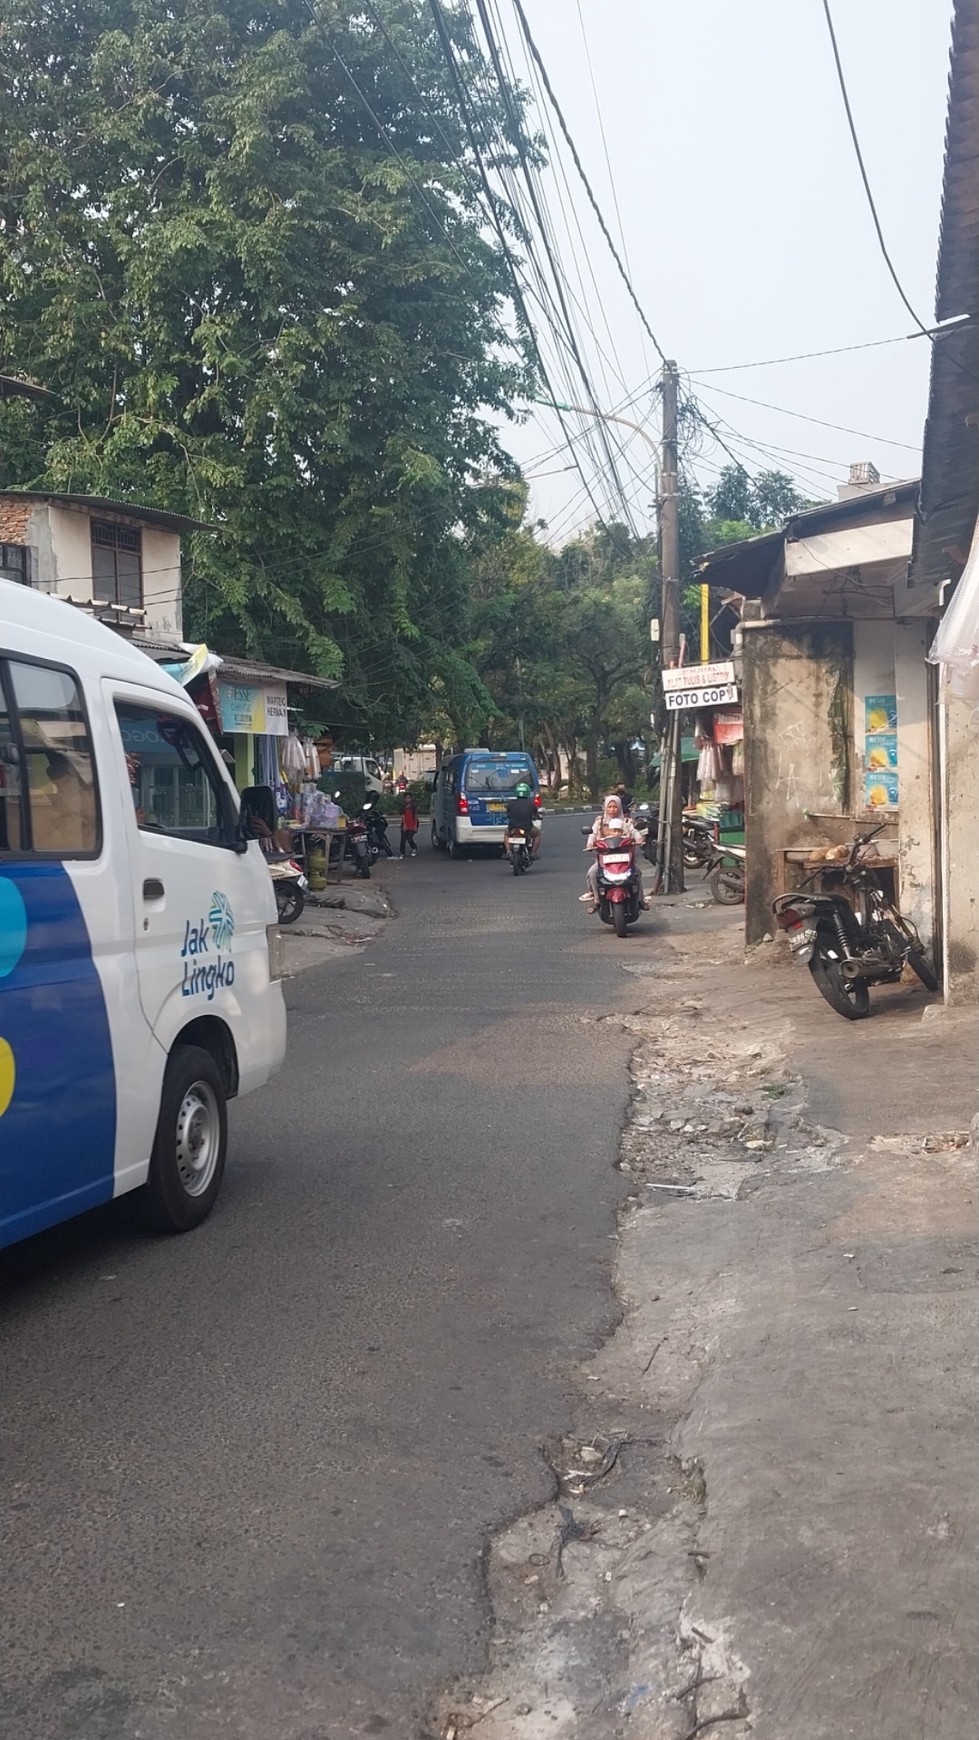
(726,886)
(918,962)
(620,920)
(516,860)
(289,901)
(849,997)
(694,856)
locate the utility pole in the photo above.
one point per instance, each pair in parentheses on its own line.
(671,764)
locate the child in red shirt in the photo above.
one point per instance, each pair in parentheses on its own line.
(409,827)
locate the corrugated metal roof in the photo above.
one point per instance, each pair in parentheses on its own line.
(233,669)
(103,504)
(957,289)
(12,387)
(756,565)
(950,468)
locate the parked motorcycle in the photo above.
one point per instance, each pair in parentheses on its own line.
(289,886)
(376,823)
(619,883)
(356,846)
(518,847)
(726,873)
(699,836)
(853,937)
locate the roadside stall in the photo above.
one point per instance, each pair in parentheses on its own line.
(710,693)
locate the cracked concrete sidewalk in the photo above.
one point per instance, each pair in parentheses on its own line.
(335,921)
(784,1545)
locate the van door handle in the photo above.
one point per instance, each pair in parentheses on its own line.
(153,889)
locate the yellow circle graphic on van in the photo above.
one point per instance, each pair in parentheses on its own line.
(8,1076)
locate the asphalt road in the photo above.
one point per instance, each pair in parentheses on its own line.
(250,1474)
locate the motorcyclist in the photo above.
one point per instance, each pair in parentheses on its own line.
(521,818)
(612,825)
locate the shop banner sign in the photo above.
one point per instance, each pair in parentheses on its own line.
(880,752)
(256,710)
(689,700)
(699,676)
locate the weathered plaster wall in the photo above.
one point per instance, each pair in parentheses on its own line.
(161,583)
(961,851)
(71,549)
(873,674)
(798,685)
(916,835)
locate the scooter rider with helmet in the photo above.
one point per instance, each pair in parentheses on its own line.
(521,818)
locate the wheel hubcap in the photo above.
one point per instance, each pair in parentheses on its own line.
(198,1138)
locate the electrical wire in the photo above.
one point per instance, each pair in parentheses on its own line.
(520,304)
(801,417)
(771,362)
(606,232)
(520,147)
(899,287)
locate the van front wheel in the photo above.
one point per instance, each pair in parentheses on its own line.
(191,1143)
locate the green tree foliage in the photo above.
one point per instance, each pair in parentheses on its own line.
(258,309)
(759,503)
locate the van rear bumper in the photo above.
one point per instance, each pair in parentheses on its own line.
(468,835)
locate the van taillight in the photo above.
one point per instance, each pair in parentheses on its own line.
(537,800)
(462,804)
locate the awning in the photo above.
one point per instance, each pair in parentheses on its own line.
(957,642)
(688,752)
(233,670)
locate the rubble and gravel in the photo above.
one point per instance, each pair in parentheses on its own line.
(722,1551)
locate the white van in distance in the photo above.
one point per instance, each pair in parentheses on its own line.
(139,976)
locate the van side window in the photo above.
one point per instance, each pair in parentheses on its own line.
(174,783)
(47,772)
(12,832)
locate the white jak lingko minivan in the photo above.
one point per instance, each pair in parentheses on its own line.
(139,978)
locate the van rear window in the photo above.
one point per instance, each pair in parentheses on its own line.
(499,776)
(48,793)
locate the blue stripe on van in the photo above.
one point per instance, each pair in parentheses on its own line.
(58,1124)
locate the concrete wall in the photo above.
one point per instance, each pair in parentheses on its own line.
(873,674)
(960,848)
(61,543)
(798,688)
(161,583)
(916,833)
(70,571)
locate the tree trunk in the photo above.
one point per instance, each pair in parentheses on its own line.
(591,764)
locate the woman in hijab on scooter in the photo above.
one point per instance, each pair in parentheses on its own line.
(610,825)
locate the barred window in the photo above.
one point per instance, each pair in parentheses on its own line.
(15,563)
(117,566)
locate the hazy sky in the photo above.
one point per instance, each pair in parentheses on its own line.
(745,224)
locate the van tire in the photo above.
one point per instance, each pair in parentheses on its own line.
(455,850)
(193,1115)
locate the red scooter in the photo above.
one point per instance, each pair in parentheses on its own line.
(620,899)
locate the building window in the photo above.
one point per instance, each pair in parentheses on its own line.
(15,563)
(117,568)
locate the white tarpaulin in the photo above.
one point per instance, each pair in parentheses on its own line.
(957,642)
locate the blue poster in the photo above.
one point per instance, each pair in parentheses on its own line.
(880,714)
(880,790)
